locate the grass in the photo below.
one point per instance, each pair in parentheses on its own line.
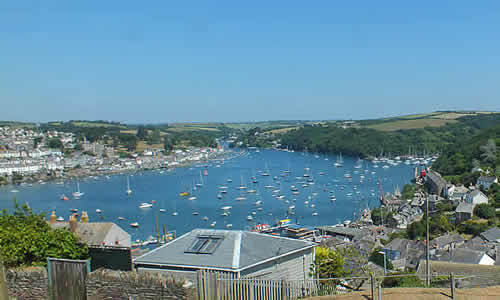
(283,130)
(141,146)
(95,124)
(410,124)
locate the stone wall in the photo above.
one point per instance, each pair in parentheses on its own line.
(107,284)
(28,283)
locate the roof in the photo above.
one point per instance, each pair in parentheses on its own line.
(475,193)
(461,255)
(94,233)
(237,250)
(491,235)
(489,179)
(483,274)
(465,208)
(447,239)
(341,230)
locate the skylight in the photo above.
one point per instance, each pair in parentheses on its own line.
(205,244)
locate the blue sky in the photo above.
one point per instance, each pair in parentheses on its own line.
(168,61)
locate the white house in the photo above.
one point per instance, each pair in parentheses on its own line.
(486,181)
(476,197)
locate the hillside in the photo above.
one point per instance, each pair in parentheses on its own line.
(480,150)
(364,141)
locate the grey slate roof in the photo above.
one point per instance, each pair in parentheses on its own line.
(491,235)
(238,250)
(489,179)
(461,255)
(465,208)
(94,233)
(447,239)
(474,193)
(341,230)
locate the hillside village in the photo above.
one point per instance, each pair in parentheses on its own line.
(29,155)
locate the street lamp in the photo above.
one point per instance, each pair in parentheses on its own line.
(385,262)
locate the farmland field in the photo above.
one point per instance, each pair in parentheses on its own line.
(410,124)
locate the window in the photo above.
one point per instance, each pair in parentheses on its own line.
(205,244)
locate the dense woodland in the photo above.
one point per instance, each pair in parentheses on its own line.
(366,142)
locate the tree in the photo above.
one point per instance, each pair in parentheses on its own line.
(377,258)
(328,263)
(156,136)
(489,152)
(484,211)
(55,143)
(37,141)
(27,240)
(141,132)
(415,230)
(408,191)
(167,143)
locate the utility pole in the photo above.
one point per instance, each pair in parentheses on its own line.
(427,268)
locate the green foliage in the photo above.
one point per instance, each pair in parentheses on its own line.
(438,225)
(472,227)
(328,263)
(27,240)
(37,141)
(369,142)
(377,258)
(141,132)
(380,214)
(78,147)
(484,211)
(55,143)
(409,191)
(477,150)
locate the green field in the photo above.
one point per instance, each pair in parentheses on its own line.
(410,124)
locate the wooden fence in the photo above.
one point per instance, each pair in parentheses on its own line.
(67,278)
(226,286)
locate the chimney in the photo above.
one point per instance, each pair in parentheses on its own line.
(72,223)
(85,217)
(53,217)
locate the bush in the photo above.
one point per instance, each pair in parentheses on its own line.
(27,240)
(484,211)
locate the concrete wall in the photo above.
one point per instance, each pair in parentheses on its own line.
(28,283)
(292,267)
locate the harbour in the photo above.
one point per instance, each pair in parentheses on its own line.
(256,187)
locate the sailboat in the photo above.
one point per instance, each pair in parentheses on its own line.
(201,179)
(78,193)
(128,191)
(340,162)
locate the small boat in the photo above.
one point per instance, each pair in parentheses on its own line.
(63,197)
(78,193)
(251,191)
(98,211)
(121,218)
(229,225)
(226,207)
(260,209)
(192,198)
(219,196)
(128,191)
(60,219)
(184,194)
(315,214)
(163,210)
(258,202)
(229,180)
(195,213)
(74,210)
(145,205)
(240,198)
(213,224)
(224,214)
(223,191)
(175,213)
(205,218)
(135,224)
(249,218)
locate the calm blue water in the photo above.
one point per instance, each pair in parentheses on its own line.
(108,194)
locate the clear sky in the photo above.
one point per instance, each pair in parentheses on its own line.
(166,61)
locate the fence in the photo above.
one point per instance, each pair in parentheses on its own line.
(67,278)
(226,286)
